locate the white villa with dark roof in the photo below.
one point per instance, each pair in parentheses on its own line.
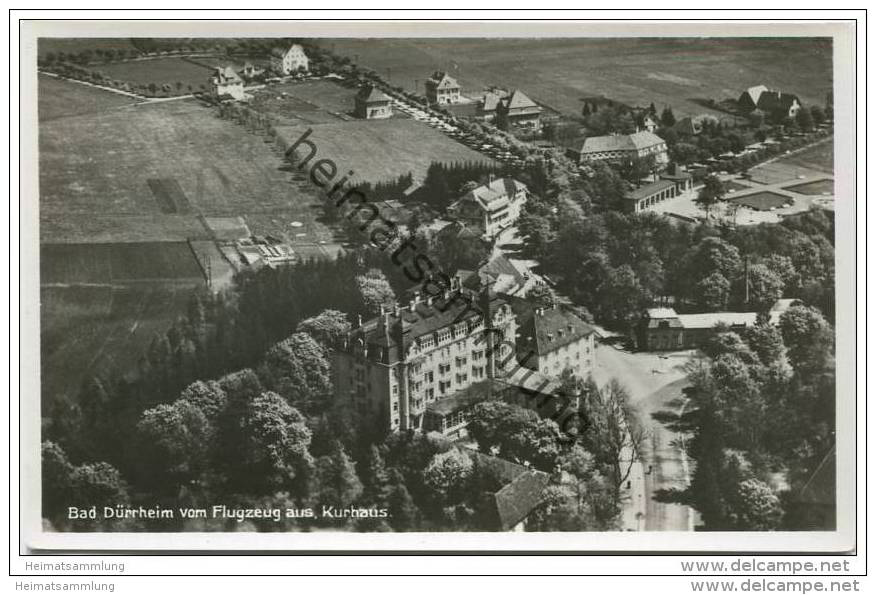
(491,207)
(551,340)
(442,88)
(372,104)
(622,147)
(226,82)
(289,61)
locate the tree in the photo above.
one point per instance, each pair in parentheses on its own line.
(175,442)
(375,291)
(622,296)
(519,434)
(328,327)
(804,119)
(808,337)
(335,479)
(375,477)
(97,484)
(207,396)
(766,341)
(667,118)
(712,292)
(403,512)
(298,369)
(447,474)
(56,479)
(710,194)
(273,447)
(764,286)
(612,433)
(755,507)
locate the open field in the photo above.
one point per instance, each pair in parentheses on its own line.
(86,330)
(313,102)
(159,71)
(115,263)
(59,98)
(559,72)
(809,162)
(74,45)
(95,171)
(382,149)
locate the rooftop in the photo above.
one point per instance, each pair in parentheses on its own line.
(649,189)
(546,329)
(393,332)
(493,196)
(519,496)
(370,94)
(621,142)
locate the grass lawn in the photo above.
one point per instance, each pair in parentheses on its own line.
(811,161)
(763,201)
(159,71)
(379,150)
(315,102)
(559,72)
(95,173)
(58,98)
(74,45)
(818,187)
(119,263)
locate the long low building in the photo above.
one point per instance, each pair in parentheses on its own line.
(672,183)
(662,329)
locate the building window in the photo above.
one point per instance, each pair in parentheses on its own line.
(395,407)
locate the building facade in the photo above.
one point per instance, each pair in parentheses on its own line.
(491,207)
(622,148)
(226,82)
(441,88)
(289,61)
(552,340)
(372,104)
(671,184)
(776,103)
(426,355)
(517,111)
(662,329)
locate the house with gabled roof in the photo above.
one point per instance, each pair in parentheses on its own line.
(517,111)
(551,340)
(774,103)
(372,104)
(491,207)
(622,148)
(225,81)
(441,88)
(290,60)
(519,492)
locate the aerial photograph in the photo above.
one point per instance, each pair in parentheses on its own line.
(437,284)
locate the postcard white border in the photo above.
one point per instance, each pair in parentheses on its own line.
(841,540)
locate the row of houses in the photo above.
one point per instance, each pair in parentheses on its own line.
(226,81)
